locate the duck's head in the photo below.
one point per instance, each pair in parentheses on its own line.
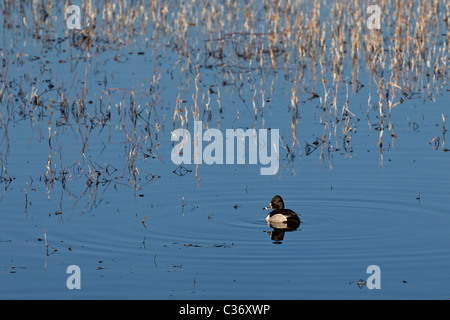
(276,204)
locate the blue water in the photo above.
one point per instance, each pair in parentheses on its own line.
(204,236)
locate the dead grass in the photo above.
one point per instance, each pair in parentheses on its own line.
(322,50)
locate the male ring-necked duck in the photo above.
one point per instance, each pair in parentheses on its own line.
(281,215)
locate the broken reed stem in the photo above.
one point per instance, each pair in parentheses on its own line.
(8,177)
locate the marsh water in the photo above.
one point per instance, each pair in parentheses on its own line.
(87,179)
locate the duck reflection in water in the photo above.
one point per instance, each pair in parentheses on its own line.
(280,219)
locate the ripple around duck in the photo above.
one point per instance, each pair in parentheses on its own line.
(330,217)
(212,237)
(223,232)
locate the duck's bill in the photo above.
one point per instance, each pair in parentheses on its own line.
(268,207)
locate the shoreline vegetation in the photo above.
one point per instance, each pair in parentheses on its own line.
(321,51)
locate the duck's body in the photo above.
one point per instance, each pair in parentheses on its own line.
(280,215)
(283,216)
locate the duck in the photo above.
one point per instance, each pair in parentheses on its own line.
(281,216)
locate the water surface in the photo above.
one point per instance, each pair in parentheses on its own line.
(101,192)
